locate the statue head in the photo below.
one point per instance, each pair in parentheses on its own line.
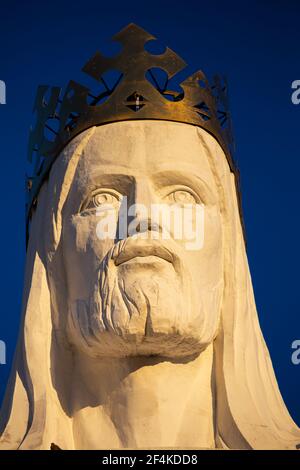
(148,287)
(136,249)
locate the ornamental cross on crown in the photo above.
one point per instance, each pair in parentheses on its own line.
(135,95)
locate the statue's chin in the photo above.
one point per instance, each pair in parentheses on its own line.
(138,315)
(136,322)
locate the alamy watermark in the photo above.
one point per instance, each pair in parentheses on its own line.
(159,221)
(2,92)
(2,352)
(295,97)
(2,343)
(296,354)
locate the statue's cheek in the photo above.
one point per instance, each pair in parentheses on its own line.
(81,234)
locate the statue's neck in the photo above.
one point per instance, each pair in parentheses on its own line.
(143,403)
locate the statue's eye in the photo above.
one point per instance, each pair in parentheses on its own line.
(182,197)
(102,198)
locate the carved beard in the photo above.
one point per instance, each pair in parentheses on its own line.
(139,308)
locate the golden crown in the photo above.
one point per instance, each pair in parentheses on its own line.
(136,94)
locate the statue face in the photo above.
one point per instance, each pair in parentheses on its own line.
(157,289)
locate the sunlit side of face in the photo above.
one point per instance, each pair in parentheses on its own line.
(154,292)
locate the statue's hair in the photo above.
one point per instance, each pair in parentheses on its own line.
(249,410)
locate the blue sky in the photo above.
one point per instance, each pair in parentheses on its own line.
(256,45)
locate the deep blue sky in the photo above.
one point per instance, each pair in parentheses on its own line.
(256,44)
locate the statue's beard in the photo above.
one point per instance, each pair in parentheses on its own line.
(141,307)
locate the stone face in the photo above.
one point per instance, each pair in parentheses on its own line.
(148,338)
(168,302)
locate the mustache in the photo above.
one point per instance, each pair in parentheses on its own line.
(137,246)
(143,248)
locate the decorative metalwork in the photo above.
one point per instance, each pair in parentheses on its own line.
(133,96)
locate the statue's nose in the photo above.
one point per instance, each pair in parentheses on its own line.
(143,193)
(147,224)
(141,205)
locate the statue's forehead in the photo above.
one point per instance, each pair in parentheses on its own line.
(145,148)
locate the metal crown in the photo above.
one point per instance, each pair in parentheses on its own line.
(135,95)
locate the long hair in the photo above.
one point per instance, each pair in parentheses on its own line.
(249,410)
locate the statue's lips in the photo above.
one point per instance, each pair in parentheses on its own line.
(134,250)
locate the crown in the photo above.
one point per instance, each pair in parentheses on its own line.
(136,94)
